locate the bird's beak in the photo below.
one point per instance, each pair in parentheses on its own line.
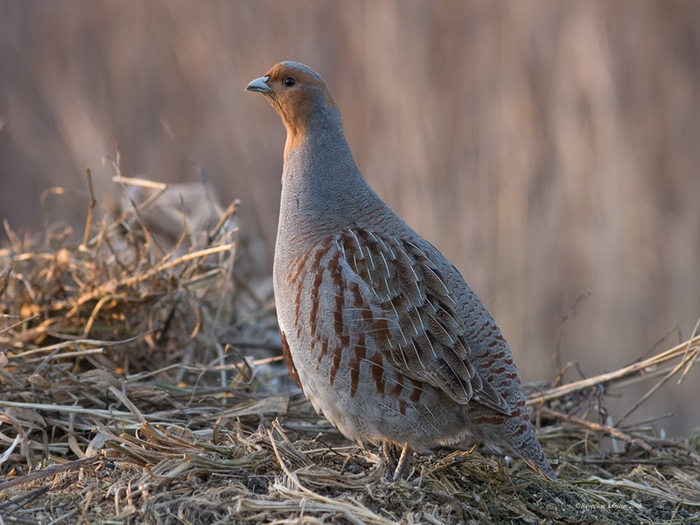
(259,85)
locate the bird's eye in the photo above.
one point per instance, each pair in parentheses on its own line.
(289,81)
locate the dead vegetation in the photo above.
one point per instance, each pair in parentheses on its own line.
(141,383)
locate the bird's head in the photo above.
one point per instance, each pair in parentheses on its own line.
(296,92)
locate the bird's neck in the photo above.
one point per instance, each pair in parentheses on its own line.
(321,184)
(314,135)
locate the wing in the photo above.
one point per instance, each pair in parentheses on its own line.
(390,292)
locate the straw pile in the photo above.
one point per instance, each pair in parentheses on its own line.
(141,383)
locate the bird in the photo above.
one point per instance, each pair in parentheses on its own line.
(379,330)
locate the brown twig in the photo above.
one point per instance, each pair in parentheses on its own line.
(578,386)
(91,208)
(596,427)
(51,471)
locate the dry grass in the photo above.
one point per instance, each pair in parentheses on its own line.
(141,384)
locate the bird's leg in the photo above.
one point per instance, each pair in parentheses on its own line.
(404,464)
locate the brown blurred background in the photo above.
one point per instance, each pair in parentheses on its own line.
(548,148)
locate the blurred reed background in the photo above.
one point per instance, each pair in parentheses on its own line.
(549,149)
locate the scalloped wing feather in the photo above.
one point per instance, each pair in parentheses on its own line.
(391,293)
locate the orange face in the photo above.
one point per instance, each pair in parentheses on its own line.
(293,90)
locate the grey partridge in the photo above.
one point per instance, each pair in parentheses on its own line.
(379,330)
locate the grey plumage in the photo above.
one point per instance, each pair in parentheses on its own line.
(380,330)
